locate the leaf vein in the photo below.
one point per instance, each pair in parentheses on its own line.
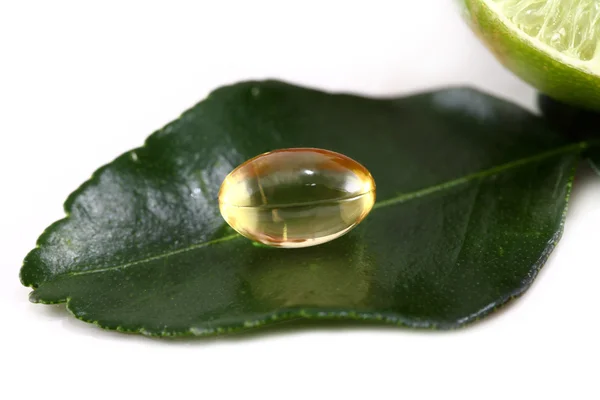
(480,174)
(402,198)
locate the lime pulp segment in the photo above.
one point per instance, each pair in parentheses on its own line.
(571,27)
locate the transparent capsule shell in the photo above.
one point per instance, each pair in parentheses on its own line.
(296,197)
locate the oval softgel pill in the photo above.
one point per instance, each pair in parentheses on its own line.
(296,197)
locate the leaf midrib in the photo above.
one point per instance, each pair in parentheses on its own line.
(402,198)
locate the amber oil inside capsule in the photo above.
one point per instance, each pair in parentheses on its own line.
(296,197)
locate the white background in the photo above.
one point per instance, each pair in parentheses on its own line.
(82,83)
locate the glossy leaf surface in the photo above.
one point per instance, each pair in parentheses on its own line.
(471,195)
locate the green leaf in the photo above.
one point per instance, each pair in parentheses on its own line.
(472,193)
(576,124)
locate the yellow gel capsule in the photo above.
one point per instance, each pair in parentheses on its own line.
(296,197)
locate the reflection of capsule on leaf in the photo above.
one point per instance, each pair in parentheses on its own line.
(316,277)
(296,197)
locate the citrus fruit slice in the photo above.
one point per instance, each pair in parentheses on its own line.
(552,44)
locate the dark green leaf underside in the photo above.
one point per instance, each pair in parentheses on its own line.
(575,124)
(472,193)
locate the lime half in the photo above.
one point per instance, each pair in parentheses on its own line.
(552,44)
